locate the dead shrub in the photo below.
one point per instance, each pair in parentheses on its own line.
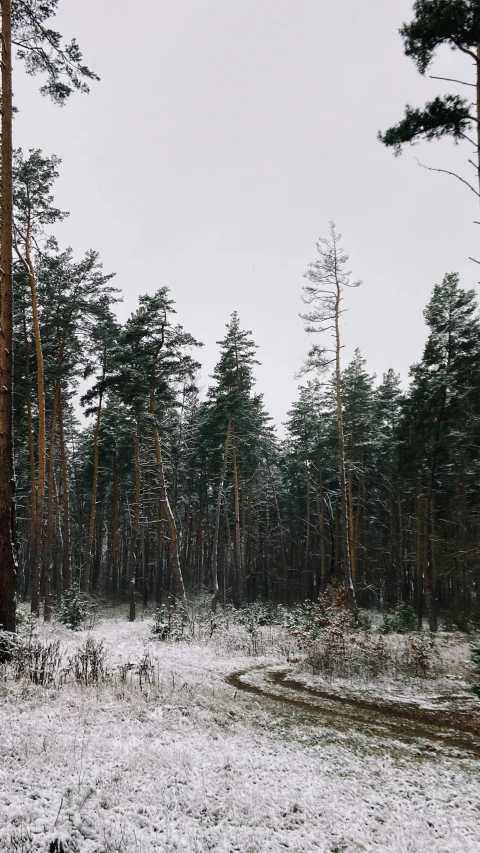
(418,659)
(88,664)
(146,671)
(38,660)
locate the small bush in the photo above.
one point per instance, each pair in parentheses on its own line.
(88,664)
(38,660)
(8,643)
(418,656)
(363,620)
(74,609)
(402,620)
(170,624)
(146,671)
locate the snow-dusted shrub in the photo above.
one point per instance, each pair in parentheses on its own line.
(328,619)
(146,671)
(402,620)
(8,642)
(418,656)
(88,665)
(339,654)
(19,839)
(170,624)
(38,660)
(74,609)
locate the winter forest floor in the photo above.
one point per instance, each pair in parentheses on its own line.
(229,743)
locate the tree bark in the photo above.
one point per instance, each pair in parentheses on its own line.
(177,578)
(8,567)
(93,510)
(178,587)
(216,588)
(31,448)
(135,527)
(115,526)
(321,527)
(347,574)
(237,556)
(66,558)
(27,261)
(47,608)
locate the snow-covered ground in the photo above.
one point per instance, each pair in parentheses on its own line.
(192,764)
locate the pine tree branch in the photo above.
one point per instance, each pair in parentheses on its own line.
(452,80)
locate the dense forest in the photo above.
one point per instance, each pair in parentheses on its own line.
(131,484)
(161,491)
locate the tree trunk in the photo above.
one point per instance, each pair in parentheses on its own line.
(237,557)
(136,527)
(177,579)
(216,588)
(93,510)
(321,527)
(347,575)
(66,559)
(115,526)
(478,113)
(47,608)
(42,435)
(31,443)
(304,578)
(351,527)
(8,565)
(419,552)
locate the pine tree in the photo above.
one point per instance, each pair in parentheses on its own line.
(455,23)
(329,277)
(33,178)
(440,423)
(24,27)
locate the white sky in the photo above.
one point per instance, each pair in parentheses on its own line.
(223,137)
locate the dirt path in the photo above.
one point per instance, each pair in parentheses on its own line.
(407,722)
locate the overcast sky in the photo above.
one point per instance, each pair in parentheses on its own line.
(223,137)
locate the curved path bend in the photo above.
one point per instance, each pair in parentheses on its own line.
(407,722)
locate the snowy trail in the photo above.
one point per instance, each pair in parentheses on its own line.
(409,723)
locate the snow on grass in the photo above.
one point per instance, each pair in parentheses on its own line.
(191,765)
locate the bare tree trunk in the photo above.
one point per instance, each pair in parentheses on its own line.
(31,452)
(304,577)
(347,575)
(419,549)
(93,510)
(351,527)
(66,559)
(159,578)
(430,595)
(26,260)
(47,608)
(237,557)
(8,563)
(136,527)
(57,566)
(115,526)
(177,578)
(321,527)
(282,535)
(216,588)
